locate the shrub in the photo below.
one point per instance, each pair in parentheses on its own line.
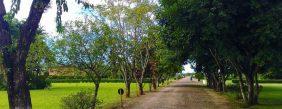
(38,81)
(80,100)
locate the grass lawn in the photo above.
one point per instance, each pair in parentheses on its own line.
(269,98)
(50,98)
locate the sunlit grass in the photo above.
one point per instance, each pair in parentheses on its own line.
(51,98)
(269,98)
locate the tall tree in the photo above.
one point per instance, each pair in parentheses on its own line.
(85,45)
(131,20)
(15,58)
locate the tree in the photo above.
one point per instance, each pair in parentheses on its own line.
(15,58)
(37,60)
(131,21)
(85,45)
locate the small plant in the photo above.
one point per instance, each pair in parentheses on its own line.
(80,100)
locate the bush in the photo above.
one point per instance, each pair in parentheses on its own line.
(80,100)
(39,82)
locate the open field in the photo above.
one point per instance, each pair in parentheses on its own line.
(50,98)
(269,98)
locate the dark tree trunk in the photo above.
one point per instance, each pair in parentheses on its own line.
(154,84)
(96,88)
(241,85)
(14,60)
(138,75)
(222,79)
(154,77)
(140,87)
(257,88)
(216,82)
(251,92)
(18,90)
(209,80)
(252,97)
(127,88)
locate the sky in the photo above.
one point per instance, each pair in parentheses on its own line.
(187,69)
(48,21)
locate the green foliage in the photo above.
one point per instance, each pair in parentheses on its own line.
(223,37)
(199,75)
(85,46)
(39,59)
(273,73)
(80,100)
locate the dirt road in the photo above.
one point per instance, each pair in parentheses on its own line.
(182,94)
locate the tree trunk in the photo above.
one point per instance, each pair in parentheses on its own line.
(18,90)
(154,78)
(257,89)
(140,87)
(250,77)
(95,95)
(154,83)
(127,88)
(15,59)
(251,90)
(241,85)
(222,79)
(150,86)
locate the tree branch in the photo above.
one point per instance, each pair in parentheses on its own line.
(28,29)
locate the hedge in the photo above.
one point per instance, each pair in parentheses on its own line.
(73,79)
(67,77)
(263,81)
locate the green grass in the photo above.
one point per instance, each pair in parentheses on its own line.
(50,98)
(269,98)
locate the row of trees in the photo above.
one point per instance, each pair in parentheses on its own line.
(119,37)
(225,37)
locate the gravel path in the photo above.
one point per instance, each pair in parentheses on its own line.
(182,94)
